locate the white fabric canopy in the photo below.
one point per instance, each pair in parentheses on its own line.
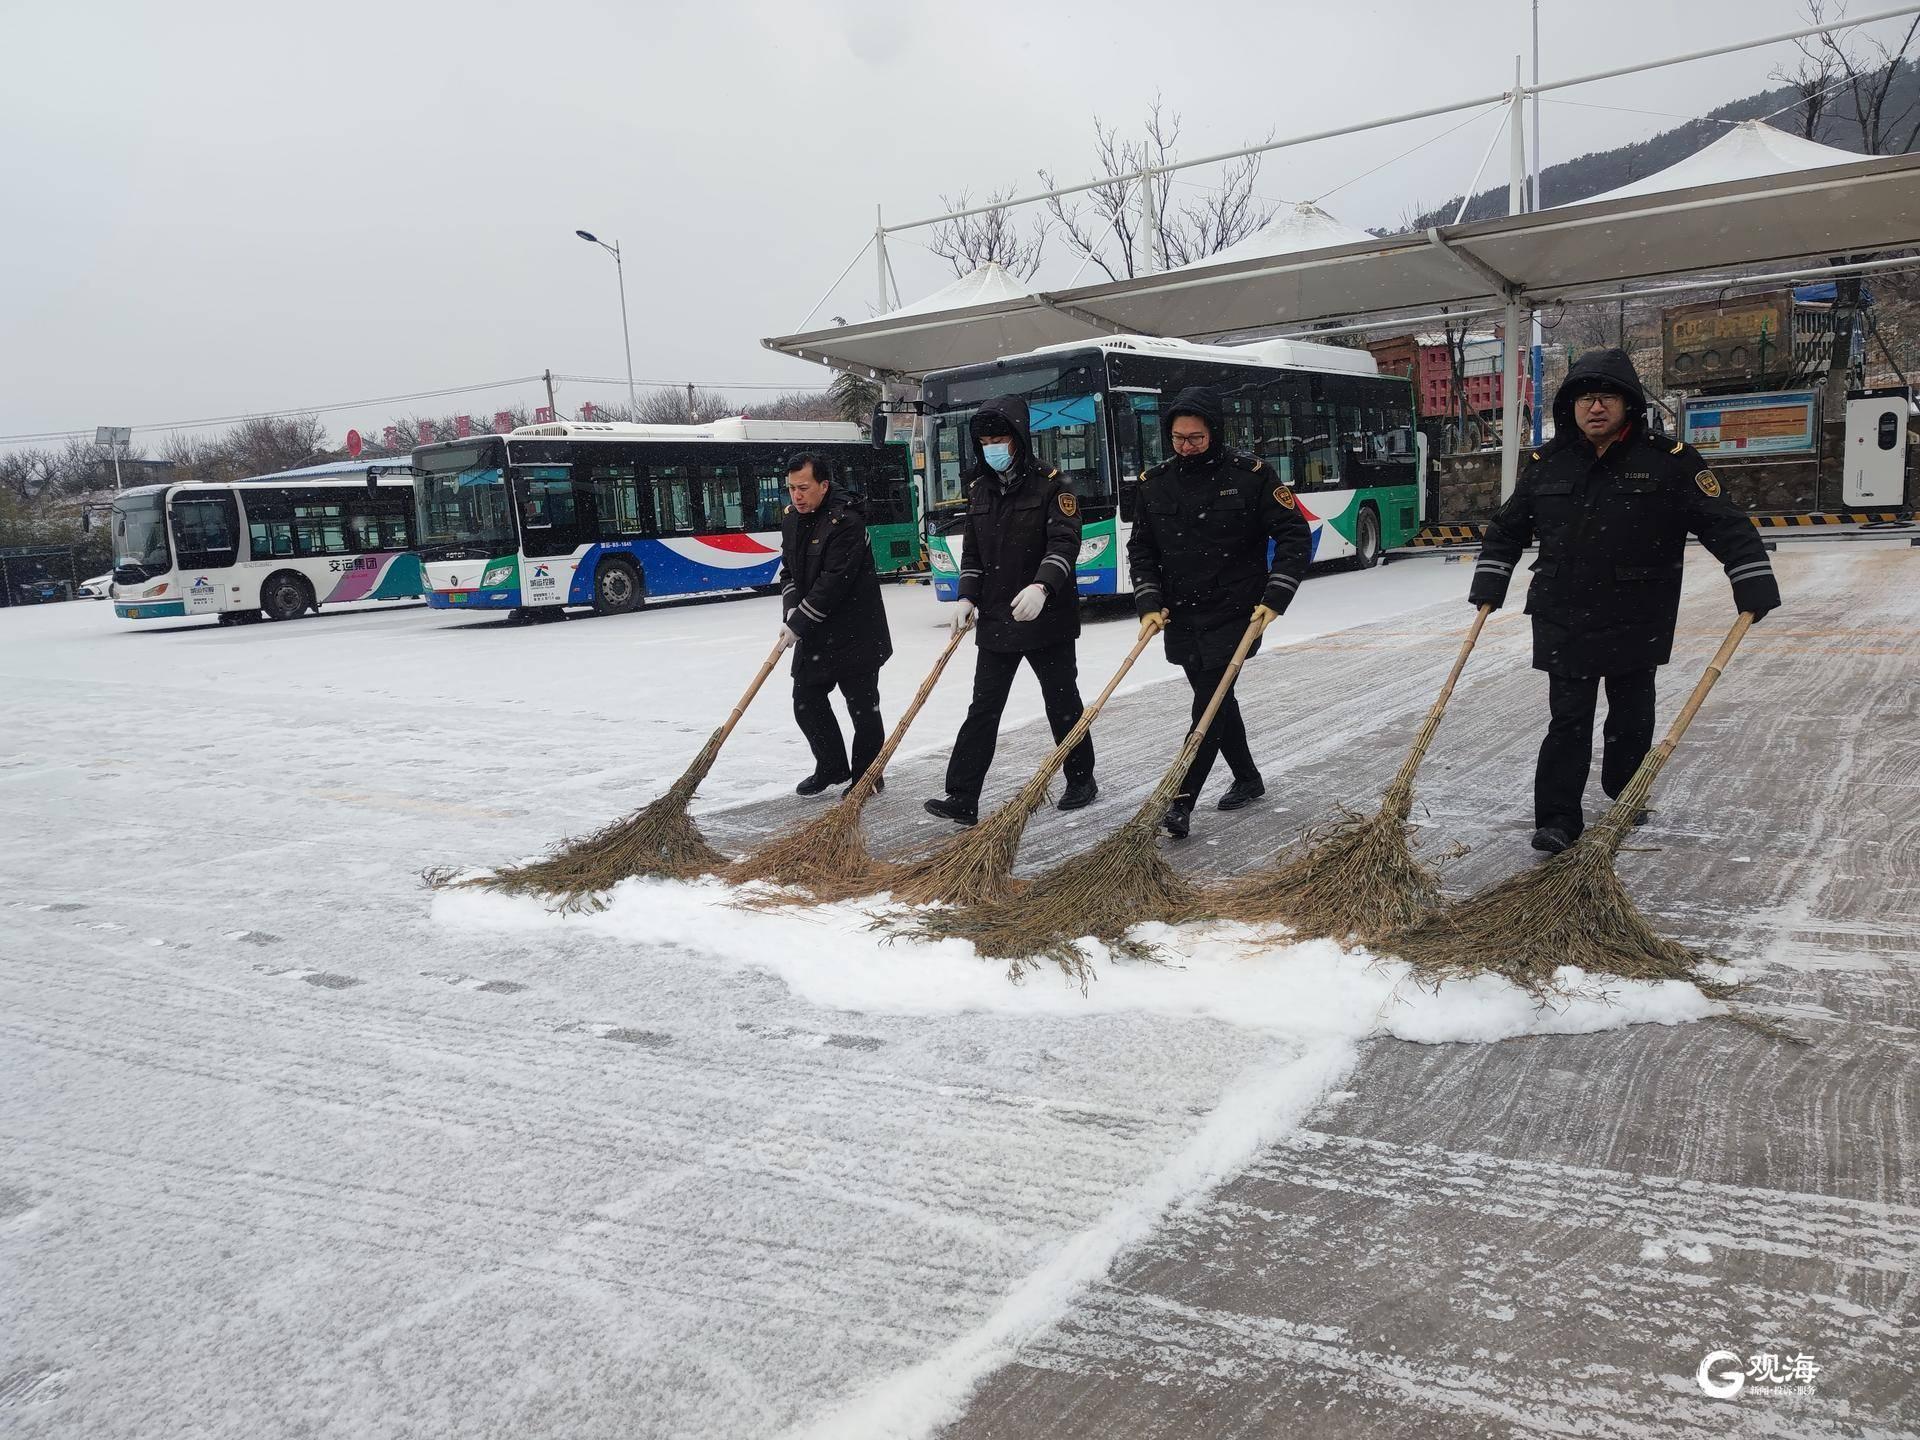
(1747,151)
(984,285)
(1300,226)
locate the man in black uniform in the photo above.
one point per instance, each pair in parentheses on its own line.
(1612,503)
(834,618)
(1199,554)
(1017,561)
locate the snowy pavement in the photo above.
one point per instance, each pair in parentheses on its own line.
(296,1149)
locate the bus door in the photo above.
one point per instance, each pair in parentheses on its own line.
(206,542)
(557,521)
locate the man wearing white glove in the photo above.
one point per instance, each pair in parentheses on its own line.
(836,622)
(1017,583)
(963,615)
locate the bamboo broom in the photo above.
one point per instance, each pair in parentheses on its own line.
(1102,893)
(1359,877)
(1572,910)
(661,840)
(825,855)
(977,865)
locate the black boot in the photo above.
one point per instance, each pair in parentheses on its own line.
(1080,794)
(1179,817)
(816,782)
(1242,793)
(1551,839)
(952,807)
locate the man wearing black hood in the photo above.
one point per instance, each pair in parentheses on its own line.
(1017,559)
(1612,503)
(1199,556)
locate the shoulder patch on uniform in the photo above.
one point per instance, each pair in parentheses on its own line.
(1285,496)
(1678,446)
(1709,485)
(1068,504)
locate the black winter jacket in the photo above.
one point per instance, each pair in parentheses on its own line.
(1613,530)
(1201,529)
(830,592)
(1022,528)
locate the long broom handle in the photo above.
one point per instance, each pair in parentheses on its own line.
(1262,617)
(1431,725)
(720,735)
(870,777)
(1620,817)
(1036,788)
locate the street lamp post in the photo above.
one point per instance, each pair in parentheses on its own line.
(633,399)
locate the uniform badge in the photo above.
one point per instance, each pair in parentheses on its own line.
(1709,486)
(1284,496)
(1068,504)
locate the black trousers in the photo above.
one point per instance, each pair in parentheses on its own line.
(822,729)
(1057,669)
(1566,755)
(1226,736)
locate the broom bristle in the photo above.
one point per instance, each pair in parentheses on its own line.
(1572,910)
(1120,883)
(826,857)
(660,841)
(1356,878)
(973,868)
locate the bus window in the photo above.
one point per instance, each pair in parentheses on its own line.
(269,524)
(616,495)
(204,531)
(1317,446)
(766,487)
(1240,424)
(319,523)
(720,496)
(549,501)
(379,521)
(1275,443)
(672,499)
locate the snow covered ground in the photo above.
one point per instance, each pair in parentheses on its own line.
(296,1148)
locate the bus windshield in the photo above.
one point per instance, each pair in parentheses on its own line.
(140,532)
(1063,407)
(461,499)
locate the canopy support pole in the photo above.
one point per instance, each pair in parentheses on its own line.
(1510,347)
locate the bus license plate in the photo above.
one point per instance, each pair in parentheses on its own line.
(457,598)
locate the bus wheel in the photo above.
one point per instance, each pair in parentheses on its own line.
(285,596)
(616,589)
(1366,539)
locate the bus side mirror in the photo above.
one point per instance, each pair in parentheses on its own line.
(373,479)
(879,428)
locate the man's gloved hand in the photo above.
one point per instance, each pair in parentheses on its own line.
(1028,604)
(963,614)
(787,638)
(1760,610)
(1154,620)
(1478,601)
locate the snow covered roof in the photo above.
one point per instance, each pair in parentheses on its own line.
(1280,354)
(985,285)
(1747,151)
(1300,226)
(731,427)
(331,468)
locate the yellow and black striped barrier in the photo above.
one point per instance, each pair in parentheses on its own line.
(1858,517)
(1448,534)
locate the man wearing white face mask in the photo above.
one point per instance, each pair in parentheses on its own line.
(1017,582)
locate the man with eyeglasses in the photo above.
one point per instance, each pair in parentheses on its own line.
(1612,503)
(1199,554)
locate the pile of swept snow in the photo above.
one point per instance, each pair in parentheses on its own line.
(835,956)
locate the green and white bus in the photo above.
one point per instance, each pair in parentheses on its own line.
(1332,427)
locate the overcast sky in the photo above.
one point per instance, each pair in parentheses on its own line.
(216,209)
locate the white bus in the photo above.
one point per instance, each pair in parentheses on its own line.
(607,515)
(277,545)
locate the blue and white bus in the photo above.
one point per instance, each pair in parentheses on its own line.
(587,513)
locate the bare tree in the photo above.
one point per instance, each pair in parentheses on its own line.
(796,405)
(676,405)
(1869,66)
(1816,74)
(1101,226)
(990,237)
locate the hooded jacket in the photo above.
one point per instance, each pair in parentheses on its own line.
(1022,528)
(830,593)
(1214,535)
(1613,530)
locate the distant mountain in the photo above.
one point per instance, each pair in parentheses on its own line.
(1603,170)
